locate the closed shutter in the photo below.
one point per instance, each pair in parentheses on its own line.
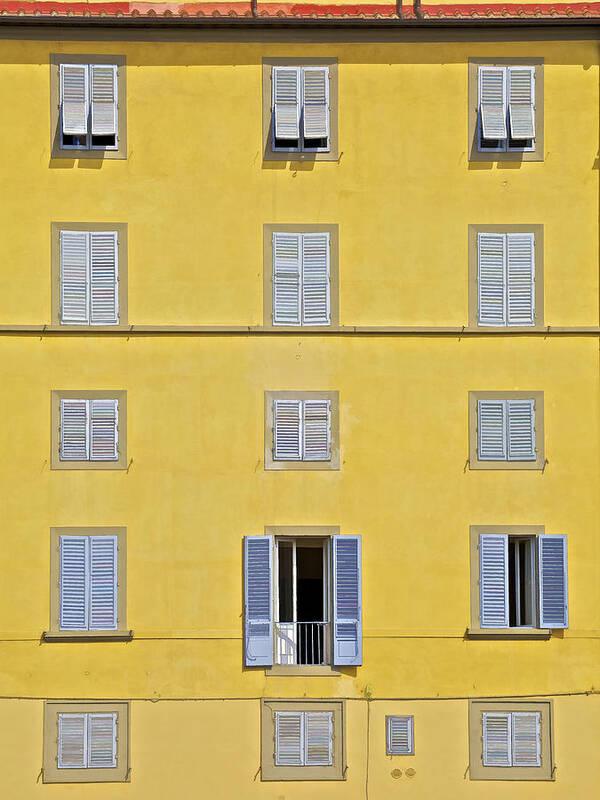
(491,430)
(399,735)
(318,735)
(520,278)
(493,580)
(496,739)
(491,278)
(73,583)
(521,95)
(315,279)
(289,738)
(102,740)
(287,430)
(526,751)
(74,444)
(286,102)
(104,430)
(104,99)
(258,600)
(103,583)
(74,277)
(317,430)
(316,102)
(287,255)
(74,98)
(521,430)
(72,741)
(104,271)
(552,560)
(347,601)
(492,102)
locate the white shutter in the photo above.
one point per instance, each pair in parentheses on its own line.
(72,741)
(73,583)
(521,430)
(318,736)
(317,430)
(491,430)
(287,255)
(102,740)
(520,278)
(286,102)
(289,738)
(104,430)
(493,580)
(103,583)
(287,430)
(399,736)
(316,102)
(496,739)
(526,750)
(74,98)
(74,276)
(521,95)
(552,560)
(74,444)
(492,102)
(491,278)
(315,279)
(347,601)
(103,79)
(104,271)
(258,600)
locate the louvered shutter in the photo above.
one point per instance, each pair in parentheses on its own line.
(491,430)
(318,735)
(73,583)
(286,102)
(521,95)
(287,257)
(399,736)
(492,102)
(552,561)
(491,278)
(74,277)
(493,580)
(104,271)
(315,279)
(289,738)
(258,600)
(317,430)
(287,430)
(104,426)
(521,430)
(103,583)
(72,741)
(74,98)
(347,601)
(526,751)
(520,278)
(74,443)
(316,102)
(102,740)
(496,739)
(103,79)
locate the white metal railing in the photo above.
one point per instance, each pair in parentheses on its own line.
(302,643)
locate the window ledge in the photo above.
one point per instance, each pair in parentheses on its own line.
(87,636)
(303,670)
(515,634)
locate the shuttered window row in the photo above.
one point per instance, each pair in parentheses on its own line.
(506,430)
(89,102)
(506,279)
(301,430)
(89,278)
(300,108)
(88,583)
(506,107)
(303,738)
(87,741)
(511,739)
(399,736)
(301,279)
(89,430)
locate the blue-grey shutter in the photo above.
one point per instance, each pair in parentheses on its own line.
(286,102)
(521,430)
(318,738)
(72,741)
(287,430)
(74,277)
(491,430)
(104,278)
(104,430)
(103,583)
(496,738)
(526,744)
(74,430)
(491,279)
(400,736)
(289,738)
(521,93)
(74,98)
(317,430)
(73,583)
(287,257)
(102,740)
(347,601)
(520,272)
(492,102)
(315,279)
(493,580)
(258,600)
(315,106)
(552,560)
(103,79)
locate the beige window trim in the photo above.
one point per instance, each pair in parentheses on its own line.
(270,772)
(513,155)
(58,395)
(334,462)
(538,231)
(477,772)
(51,771)
(121,229)
(271,155)
(475,463)
(56,59)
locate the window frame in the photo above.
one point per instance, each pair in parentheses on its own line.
(388,727)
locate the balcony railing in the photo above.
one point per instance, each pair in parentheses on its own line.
(302,643)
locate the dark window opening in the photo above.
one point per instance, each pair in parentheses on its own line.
(312,144)
(521,144)
(492,144)
(521,582)
(287,144)
(74,141)
(104,141)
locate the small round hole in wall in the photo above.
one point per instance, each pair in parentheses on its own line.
(396,773)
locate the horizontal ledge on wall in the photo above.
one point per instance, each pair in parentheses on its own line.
(509,634)
(87,636)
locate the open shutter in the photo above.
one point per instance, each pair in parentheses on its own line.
(496,739)
(104,99)
(104,271)
(287,255)
(316,102)
(258,600)
(492,102)
(74,98)
(74,277)
(315,279)
(72,741)
(493,580)
(103,583)
(552,560)
(399,735)
(73,583)
(289,738)
(286,102)
(317,430)
(347,602)
(520,278)
(491,430)
(102,740)
(526,751)
(104,430)
(521,95)
(521,430)
(287,430)
(74,440)
(318,735)
(491,278)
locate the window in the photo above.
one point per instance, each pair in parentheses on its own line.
(85,742)
(88,430)
(399,733)
(510,740)
(303,738)
(506,430)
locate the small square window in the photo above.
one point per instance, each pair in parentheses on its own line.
(400,736)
